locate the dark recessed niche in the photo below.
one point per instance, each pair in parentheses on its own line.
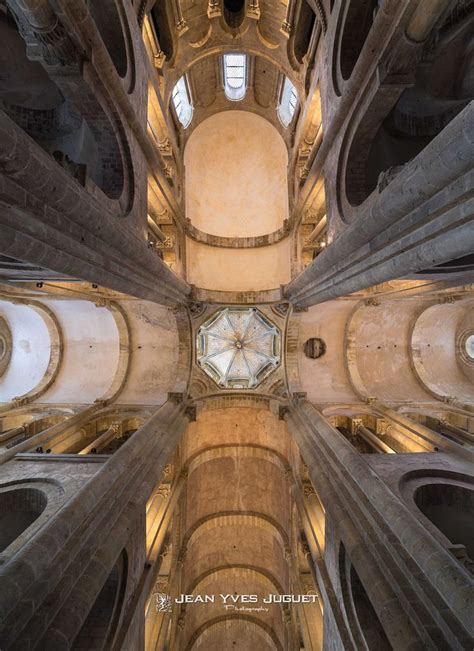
(234,12)
(314,348)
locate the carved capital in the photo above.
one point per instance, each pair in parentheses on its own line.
(253,9)
(181,26)
(164,491)
(303,172)
(214,9)
(308,490)
(102,302)
(161,585)
(19,401)
(166,244)
(286,28)
(197,309)
(159,59)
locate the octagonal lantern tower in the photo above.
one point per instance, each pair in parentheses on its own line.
(238,347)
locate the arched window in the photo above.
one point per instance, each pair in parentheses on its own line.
(450,507)
(288,103)
(19,508)
(182,102)
(235,76)
(100,627)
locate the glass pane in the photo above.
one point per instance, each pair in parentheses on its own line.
(182,103)
(288,103)
(234,76)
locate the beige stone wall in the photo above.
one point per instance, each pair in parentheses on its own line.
(238,269)
(91,352)
(324,379)
(155,353)
(236,176)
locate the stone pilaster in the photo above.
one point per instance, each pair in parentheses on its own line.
(420,599)
(68,561)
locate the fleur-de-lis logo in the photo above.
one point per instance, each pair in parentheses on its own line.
(163,602)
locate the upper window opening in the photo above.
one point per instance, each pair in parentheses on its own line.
(182,102)
(235,73)
(288,103)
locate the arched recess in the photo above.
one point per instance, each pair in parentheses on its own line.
(225,570)
(364,623)
(66,119)
(109,24)
(36,351)
(95,352)
(19,508)
(221,634)
(249,153)
(253,518)
(357,23)
(162,22)
(301,36)
(240,451)
(450,507)
(437,358)
(374,354)
(234,12)
(103,618)
(399,123)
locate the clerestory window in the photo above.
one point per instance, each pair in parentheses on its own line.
(182,102)
(288,103)
(235,76)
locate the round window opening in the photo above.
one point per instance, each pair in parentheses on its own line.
(314,348)
(469,346)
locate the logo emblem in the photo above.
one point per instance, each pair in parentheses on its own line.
(163,602)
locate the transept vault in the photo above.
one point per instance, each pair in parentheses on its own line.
(236,325)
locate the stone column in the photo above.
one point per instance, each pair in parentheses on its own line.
(422,596)
(68,561)
(312,521)
(150,584)
(48,219)
(423,218)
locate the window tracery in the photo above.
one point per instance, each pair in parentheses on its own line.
(182,102)
(288,103)
(235,76)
